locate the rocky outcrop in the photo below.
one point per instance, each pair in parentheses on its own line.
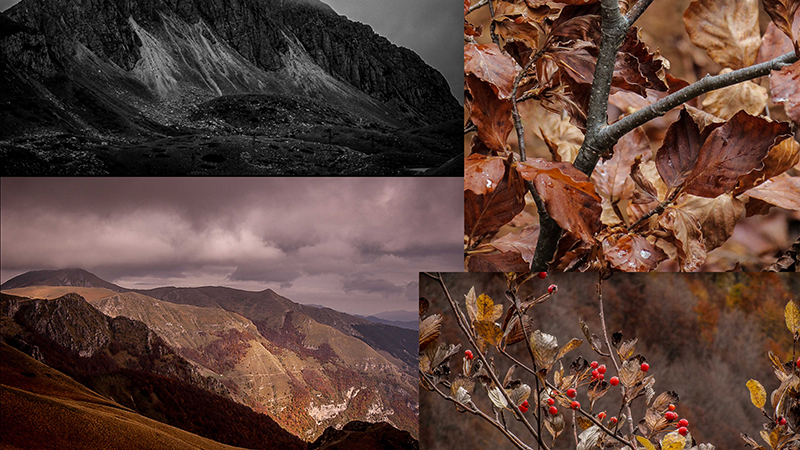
(359,435)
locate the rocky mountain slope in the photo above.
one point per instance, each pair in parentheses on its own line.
(102,87)
(125,361)
(309,368)
(43,409)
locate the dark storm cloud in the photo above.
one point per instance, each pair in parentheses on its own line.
(307,235)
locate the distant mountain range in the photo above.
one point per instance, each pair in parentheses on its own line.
(165,350)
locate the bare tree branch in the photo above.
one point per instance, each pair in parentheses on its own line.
(633,14)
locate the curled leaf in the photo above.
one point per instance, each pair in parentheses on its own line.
(429,330)
(497,398)
(571,345)
(792,316)
(726,29)
(673,441)
(545,348)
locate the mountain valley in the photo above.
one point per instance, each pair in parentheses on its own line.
(181,349)
(204,87)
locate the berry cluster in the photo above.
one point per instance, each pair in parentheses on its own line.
(672,416)
(599,371)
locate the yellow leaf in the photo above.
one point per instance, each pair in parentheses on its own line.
(489,331)
(673,441)
(792,317)
(647,444)
(571,345)
(757,393)
(487,310)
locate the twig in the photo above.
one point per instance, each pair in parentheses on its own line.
(476,411)
(633,14)
(461,323)
(480,4)
(514,111)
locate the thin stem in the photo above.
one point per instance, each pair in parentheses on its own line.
(462,324)
(480,4)
(514,439)
(633,14)
(514,111)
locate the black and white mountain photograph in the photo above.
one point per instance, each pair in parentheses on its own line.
(246,87)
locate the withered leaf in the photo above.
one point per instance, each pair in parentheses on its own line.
(785,87)
(583,422)
(612,176)
(490,332)
(685,232)
(523,243)
(782,13)
(631,372)
(587,440)
(489,64)
(487,213)
(673,441)
(463,382)
(780,191)
(627,348)
(726,29)
(429,330)
(731,151)
(792,316)
(519,394)
(678,154)
(780,158)
(569,197)
(424,304)
(545,349)
(751,442)
(514,332)
(490,114)
(471,301)
(593,340)
(664,399)
(758,396)
(519,22)
(437,355)
(482,174)
(570,346)
(717,216)
(497,262)
(509,374)
(726,102)
(460,394)
(632,253)
(487,310)
(655,421)
(647,444)
(554,128)
(616,339)
(554,424)
(497,398)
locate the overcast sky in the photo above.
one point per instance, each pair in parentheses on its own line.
(353,244)
(432,28)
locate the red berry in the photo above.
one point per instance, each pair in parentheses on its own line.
(551,401)
(614,381)
(593,365)
(782,420)
(542,275)
(601,377)
(669,415)
(595,374)
(671,407)
(683,431)
(571,393)
(645,367)
(602,369)
(523,408)
(468,354)
(575,405)
(525,404)
(552,289)
(553,410)
(613,419)
(798,363)
(683,423)
(555,392)
(602,415)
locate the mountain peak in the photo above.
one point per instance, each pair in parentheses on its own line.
(60,277)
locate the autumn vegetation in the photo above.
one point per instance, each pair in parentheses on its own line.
(584,151)
(642,362)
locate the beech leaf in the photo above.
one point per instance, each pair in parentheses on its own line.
(726,102)
(569,197)
(612,176)
(491,65)
(484,214)
(782,12)
(785,87)
(717,217)
(685,232)
(497,262)
(632,253)
(429,330)
(731,151)
(523,243)
(490,114)
(780,191)
(726,29)
(678,153)
(780,158)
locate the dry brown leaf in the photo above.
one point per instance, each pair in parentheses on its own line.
(482,174)
(678,153)
(731,151)
(429,330)
(726,29)
(549,126)
(497,262)
(569,197)
(782,191)
(687,236)
(782,12)
(489,64)
(612,176)
(484,214)
(785,88)
(717,216)
(518,22)
(490,114)
(632,253)
(523,243)
(726,102)
(780,158)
